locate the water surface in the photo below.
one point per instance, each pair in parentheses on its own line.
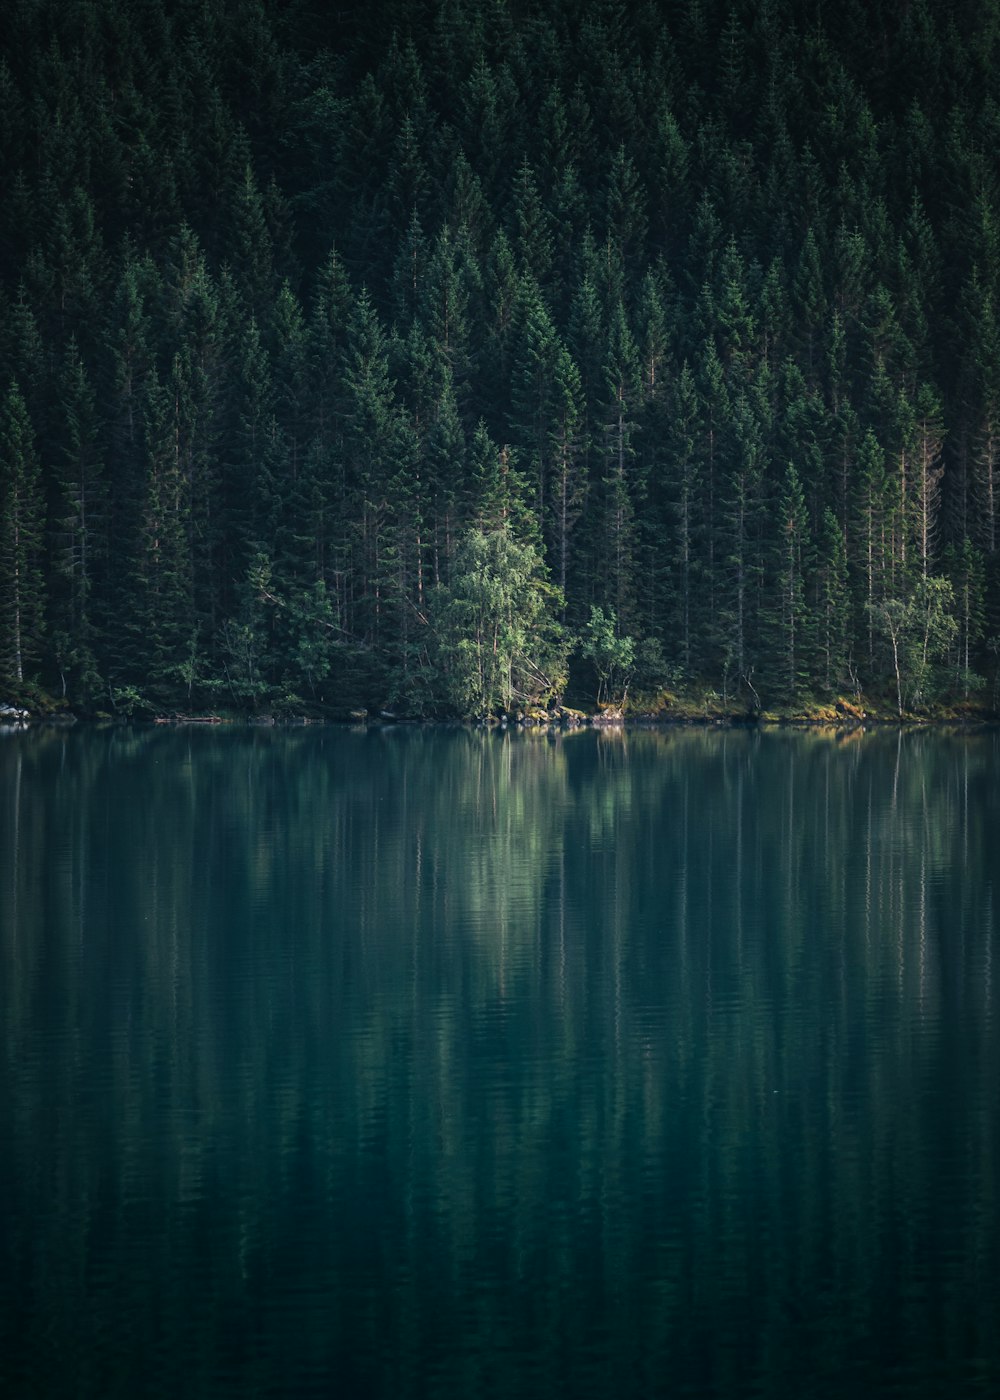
(421,1063)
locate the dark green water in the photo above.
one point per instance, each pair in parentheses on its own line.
(411,1064)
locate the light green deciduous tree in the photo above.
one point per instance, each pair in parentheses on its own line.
(495,621)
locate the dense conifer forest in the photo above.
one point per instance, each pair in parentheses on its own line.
(439,355)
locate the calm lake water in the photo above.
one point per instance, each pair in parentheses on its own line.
(436,1064)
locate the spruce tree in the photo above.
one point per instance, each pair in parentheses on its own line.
(684,519)
(614,558)
(22,582)
(79,535)
(626,215)
(368,425)
(536,350)
(872,532)
(832,621)
(928,471)
(161,613)
(531,234)
(965,569)
(567,496)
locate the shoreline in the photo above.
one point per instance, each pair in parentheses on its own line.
(562,719)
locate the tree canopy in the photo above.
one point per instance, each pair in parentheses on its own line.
(718,283)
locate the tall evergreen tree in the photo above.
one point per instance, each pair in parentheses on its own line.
(368,428)
(928,471)
(161,612)
(567,496)
(742,545)
(872,534)
(790,624)
(965,569)
(713,448)
(22,583)
(451,284)
(615,559)
(80,532)
(531,233)
(683,504)
(536,352)
(626,209)
(832,622)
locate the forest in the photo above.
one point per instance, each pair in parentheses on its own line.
(456,356)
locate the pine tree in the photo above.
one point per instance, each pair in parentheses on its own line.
(775,319)
(408,184)
(789,621)
(809,302)
(567,210)
(531,233)
(26,355)
(802,436)
(368,427)
(965,568)
(741,543)
(75,258)
(705,245)
(290,367)
(408,659)
(586,337)
(409,271)
(982,334)
(712,449)
(452,281)
(732,66)
(364,145)
(626,209)
(833,604)
(872,533)
(928,471)
(22,584)
(670,188)
(80,532)
(333,303)
(447,508)
(161,612)
(681,490)
(252,248)
(654,335)
(503,284)
(566,446)
(536,350)
(901,435)
(464,207)
(731,319)
(483,127)
(986,468)
(197,351)
(851,261)
(281,230)
(555,134)
(615,560)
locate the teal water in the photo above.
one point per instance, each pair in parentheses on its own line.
(416,1063)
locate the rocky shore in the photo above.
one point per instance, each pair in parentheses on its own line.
(662,709)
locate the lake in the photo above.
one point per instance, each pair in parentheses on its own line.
(431,1063)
